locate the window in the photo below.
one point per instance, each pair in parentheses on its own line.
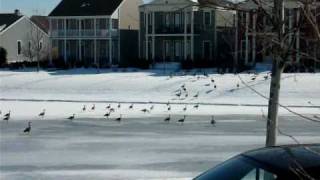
(29,45)
(115,23)
(40,45)
(207,49)
(19,47)
(207,18)
(177,48)
(142,19)
(150,19)
(259,174)
(167,19)
(177,19)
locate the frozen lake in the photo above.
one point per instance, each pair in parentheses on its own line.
(142,146)
(136,148)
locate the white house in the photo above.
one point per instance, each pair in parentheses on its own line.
(89,31)
(22,38)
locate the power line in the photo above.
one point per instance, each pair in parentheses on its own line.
(282,106)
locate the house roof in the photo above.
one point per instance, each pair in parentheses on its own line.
(42,22)
(7,20)
(86,7)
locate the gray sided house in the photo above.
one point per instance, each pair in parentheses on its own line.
(178,30)
(22,38)
(90,31)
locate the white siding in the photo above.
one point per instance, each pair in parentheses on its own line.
(19,31)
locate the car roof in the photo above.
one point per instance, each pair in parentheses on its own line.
(287,156)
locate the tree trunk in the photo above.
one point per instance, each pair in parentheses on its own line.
(277,69)
(272,124)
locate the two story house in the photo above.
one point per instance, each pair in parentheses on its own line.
(177,30)
(254,29)
(89,31)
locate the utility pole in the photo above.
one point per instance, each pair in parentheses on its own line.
(277,69)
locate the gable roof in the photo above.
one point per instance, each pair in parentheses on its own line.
(7,20)
(42,22)
(86,7)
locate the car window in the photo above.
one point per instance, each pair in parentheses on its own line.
(238,168)
(259,174)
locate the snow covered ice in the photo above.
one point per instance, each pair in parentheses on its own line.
(142,145)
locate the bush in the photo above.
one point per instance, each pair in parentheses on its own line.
(199,63)
(136,63)
(3,56)
(60,63)
(28,64)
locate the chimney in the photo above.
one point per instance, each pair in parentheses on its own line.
(17,12)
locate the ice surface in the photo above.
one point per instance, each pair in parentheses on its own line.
(142,146)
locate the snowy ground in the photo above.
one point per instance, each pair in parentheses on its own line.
(142,146)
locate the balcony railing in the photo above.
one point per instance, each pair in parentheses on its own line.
(100,33)
(176,29)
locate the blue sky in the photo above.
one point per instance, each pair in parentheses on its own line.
(29,7)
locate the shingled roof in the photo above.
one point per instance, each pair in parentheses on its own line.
(7,19)
(86,7)
(41,21)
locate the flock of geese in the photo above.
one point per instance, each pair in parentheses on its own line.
(178,93)
(111,110)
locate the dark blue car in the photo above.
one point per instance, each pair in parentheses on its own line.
(290,162)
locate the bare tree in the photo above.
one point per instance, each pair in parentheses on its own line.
(36,49)
(281,40)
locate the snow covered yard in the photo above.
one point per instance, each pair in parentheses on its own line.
(142,146)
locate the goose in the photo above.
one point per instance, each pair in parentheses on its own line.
(167,119)
(182,120)
(196,106)
(43,113)
(184,89)
(27,129)
(119,106)
(185,108)
(145,110)
(6,118)
(71,117)
(109,106)
(119,119)
(131,106)
(213,121)
(8,114)
(93,107)
(152,108)
(107,115)
(84,108)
